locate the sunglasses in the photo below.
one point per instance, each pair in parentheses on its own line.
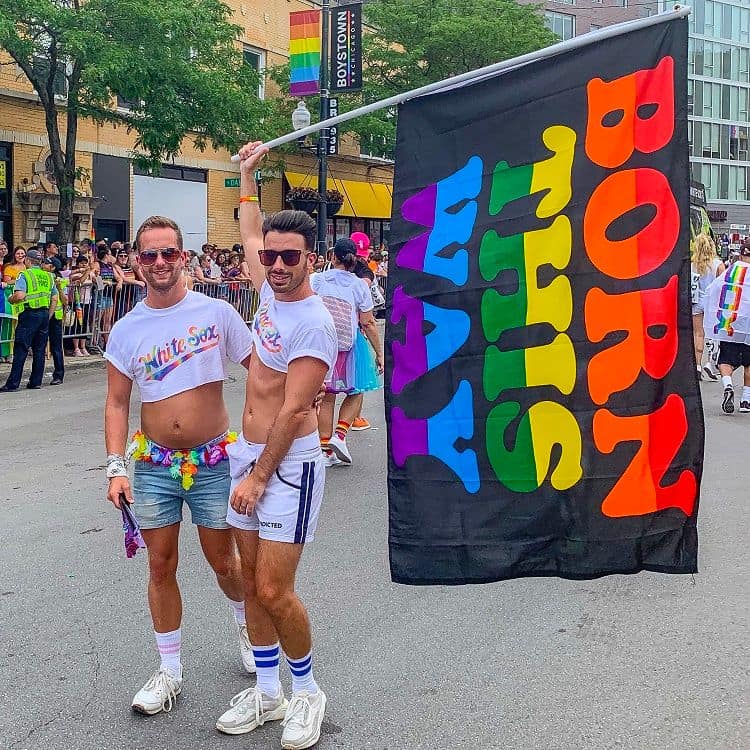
(169,255)
(288,257)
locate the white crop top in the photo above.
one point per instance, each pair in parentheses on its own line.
(285,331)
(175,349)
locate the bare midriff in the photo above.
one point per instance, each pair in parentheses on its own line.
(264,399)
(187,420)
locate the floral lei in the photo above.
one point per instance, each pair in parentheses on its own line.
(182,464)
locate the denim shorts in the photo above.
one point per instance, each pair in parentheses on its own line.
(159,498)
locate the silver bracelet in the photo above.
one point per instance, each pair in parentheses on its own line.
(116,466)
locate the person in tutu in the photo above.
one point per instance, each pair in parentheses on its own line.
(358,367)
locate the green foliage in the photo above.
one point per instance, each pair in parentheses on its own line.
(175,61)
(416,42)
(410,43)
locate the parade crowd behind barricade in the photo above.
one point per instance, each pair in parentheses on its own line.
(99,283)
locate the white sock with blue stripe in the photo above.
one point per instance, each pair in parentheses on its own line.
(302,674)
(267,669)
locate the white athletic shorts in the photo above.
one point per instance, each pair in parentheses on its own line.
(288,510)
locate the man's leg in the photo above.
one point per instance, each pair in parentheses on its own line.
(276,568)
(165,603)
(56,347)
(727,356)
(164,599)
(21,345)
(260,626)
(745,398)
(274,580)
(265,701)
(39,347)
(350,408)
(220,551)
(698,340)
(325,420)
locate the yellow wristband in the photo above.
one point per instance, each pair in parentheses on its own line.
(249,199)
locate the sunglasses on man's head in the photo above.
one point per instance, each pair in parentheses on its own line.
(169,254)
(288,257)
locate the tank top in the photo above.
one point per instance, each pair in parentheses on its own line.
(106,271)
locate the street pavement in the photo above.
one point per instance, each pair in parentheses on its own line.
(646,662)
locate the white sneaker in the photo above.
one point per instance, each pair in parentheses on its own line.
(303,720)
(251,709)
(332,459)
(158,694)
(709,373)
(338,446)
(246,649)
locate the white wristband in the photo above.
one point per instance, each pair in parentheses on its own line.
(116,466)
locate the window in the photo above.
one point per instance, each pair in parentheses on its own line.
(256,59)
(560,24)
(123,103)
(565,2)
(40,66)
(175,172)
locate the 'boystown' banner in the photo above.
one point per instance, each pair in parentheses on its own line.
(346,49)
(544,414)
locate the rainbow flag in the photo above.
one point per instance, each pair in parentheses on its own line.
(304,52)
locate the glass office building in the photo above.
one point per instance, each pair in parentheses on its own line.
(719,106)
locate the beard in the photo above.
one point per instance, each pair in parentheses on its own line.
(162,280)
(286,282)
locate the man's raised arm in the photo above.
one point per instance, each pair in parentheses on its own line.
(251,222)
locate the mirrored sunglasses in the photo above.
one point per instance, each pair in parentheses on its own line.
(168,254)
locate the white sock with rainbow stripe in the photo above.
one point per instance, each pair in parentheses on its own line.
(169,645)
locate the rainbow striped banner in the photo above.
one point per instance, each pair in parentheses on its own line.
(304,52)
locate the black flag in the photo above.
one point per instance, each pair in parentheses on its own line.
(543,409)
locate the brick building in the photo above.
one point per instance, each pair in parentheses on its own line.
(197,190)
(569,18)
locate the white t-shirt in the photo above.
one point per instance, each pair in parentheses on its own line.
(285,331)
(345,296)
(178,348)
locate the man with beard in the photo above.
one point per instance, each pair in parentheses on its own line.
(175,345)
(277,465)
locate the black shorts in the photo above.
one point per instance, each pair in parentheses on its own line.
(735,355)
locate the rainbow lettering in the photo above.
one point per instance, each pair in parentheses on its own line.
(162,360)
(730,298)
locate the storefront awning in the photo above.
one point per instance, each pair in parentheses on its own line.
(363,200)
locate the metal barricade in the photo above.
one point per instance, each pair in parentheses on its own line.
(80,316)
(239,294)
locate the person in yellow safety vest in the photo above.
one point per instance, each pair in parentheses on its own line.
(38,293)
(53,266)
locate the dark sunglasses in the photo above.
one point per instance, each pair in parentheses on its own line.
(288,257)
(169,254)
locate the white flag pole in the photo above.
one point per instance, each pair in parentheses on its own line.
(679,11)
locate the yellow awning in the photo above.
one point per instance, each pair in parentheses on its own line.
(363,200)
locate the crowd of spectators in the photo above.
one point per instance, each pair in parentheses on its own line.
(100,282)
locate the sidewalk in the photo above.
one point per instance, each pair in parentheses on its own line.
(72,366)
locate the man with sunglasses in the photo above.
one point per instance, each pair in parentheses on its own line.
(277,465)
(175,345)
